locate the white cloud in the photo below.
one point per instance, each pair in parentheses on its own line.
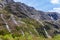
(55,1)
(55,10)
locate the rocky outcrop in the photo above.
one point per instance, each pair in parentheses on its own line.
(22,10)
(3,3)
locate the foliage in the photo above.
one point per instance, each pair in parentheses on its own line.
(29,37)
(3,32)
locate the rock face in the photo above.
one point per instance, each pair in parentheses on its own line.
(20,9)
(54,15)
(17,8)
(16,17)
(31,12)
(3,3)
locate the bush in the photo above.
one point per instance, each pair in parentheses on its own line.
(3,32)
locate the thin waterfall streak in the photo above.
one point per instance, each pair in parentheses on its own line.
(52,18)
(8,28)
(56,29)
(30,32)
(35,30)
(22,32)
(40,22)
(5,23)
(13,19)
(47,33)
(44,29)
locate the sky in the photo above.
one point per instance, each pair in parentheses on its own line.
(43,5)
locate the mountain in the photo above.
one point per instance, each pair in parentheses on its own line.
(18,19)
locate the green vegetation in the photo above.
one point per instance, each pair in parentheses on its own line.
(27,37)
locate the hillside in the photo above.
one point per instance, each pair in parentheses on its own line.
(21,22)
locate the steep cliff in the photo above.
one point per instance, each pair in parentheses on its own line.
(17,19)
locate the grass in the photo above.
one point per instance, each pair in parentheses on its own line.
(27,37)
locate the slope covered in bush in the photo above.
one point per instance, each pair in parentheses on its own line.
(21,22)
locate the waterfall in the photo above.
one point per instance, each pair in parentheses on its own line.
(21,22)
(13,19)
(30,32)
(52,18)
(40,22)
(47,33)
(44,29)
(5,23)
(22,32)
(35,30)
(56,29)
